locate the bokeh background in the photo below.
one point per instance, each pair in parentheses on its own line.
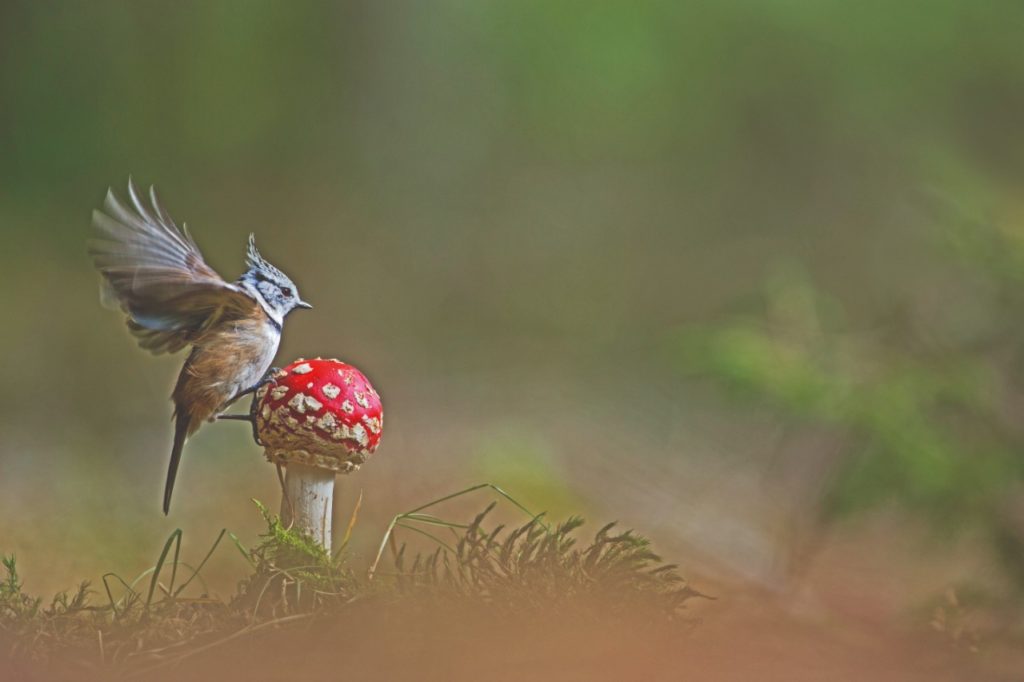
(745,276)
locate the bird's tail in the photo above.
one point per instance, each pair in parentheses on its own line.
(181,423)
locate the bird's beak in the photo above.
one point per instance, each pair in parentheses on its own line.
(303,304)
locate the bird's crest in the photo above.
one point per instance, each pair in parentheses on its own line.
(253,258)
(256,262)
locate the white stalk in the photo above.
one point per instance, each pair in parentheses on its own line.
(308,501)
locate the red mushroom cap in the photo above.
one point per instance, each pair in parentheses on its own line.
(319,412)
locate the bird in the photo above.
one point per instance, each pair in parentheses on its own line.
(156,274)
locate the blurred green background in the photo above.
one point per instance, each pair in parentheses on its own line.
(724,271)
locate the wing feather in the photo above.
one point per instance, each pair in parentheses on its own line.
(158,276)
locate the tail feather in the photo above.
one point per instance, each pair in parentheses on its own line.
(181,424)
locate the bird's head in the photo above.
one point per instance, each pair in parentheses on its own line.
(272,288)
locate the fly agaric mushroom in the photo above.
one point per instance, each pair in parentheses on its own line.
(317,418)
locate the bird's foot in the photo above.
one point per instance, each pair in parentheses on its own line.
(251,418)
(268,378)
(253,406)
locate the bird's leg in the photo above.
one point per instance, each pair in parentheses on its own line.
(251,418)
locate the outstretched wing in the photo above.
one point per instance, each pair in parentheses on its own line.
(157,275)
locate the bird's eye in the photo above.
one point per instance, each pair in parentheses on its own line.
(286,291)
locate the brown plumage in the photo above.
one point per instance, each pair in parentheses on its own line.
(226,360)
(217,358)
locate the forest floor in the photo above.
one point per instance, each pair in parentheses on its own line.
(852,615)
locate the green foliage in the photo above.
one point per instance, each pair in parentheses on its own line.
(26,628)
(534,567)
(293,574)
(925,428)
(923,397)
(15,605)
(287,546)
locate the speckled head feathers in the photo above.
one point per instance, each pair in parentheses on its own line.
(272,288)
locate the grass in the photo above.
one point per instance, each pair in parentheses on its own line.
(135,627)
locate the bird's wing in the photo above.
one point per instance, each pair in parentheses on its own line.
(158,276)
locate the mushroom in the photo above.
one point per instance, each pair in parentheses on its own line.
(317,418)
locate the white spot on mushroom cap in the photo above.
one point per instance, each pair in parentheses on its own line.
(327,422)
(266,411)
(278,392)
(312,403)
(372,423)
(304,368)
(331,391)
(348,407)
(298,403)
(359,432)
(309,385)
(361,399)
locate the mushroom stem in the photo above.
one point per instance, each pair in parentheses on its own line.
(308,501)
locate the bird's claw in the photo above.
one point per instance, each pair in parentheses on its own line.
(268,378)
(253,406)
(250,417)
